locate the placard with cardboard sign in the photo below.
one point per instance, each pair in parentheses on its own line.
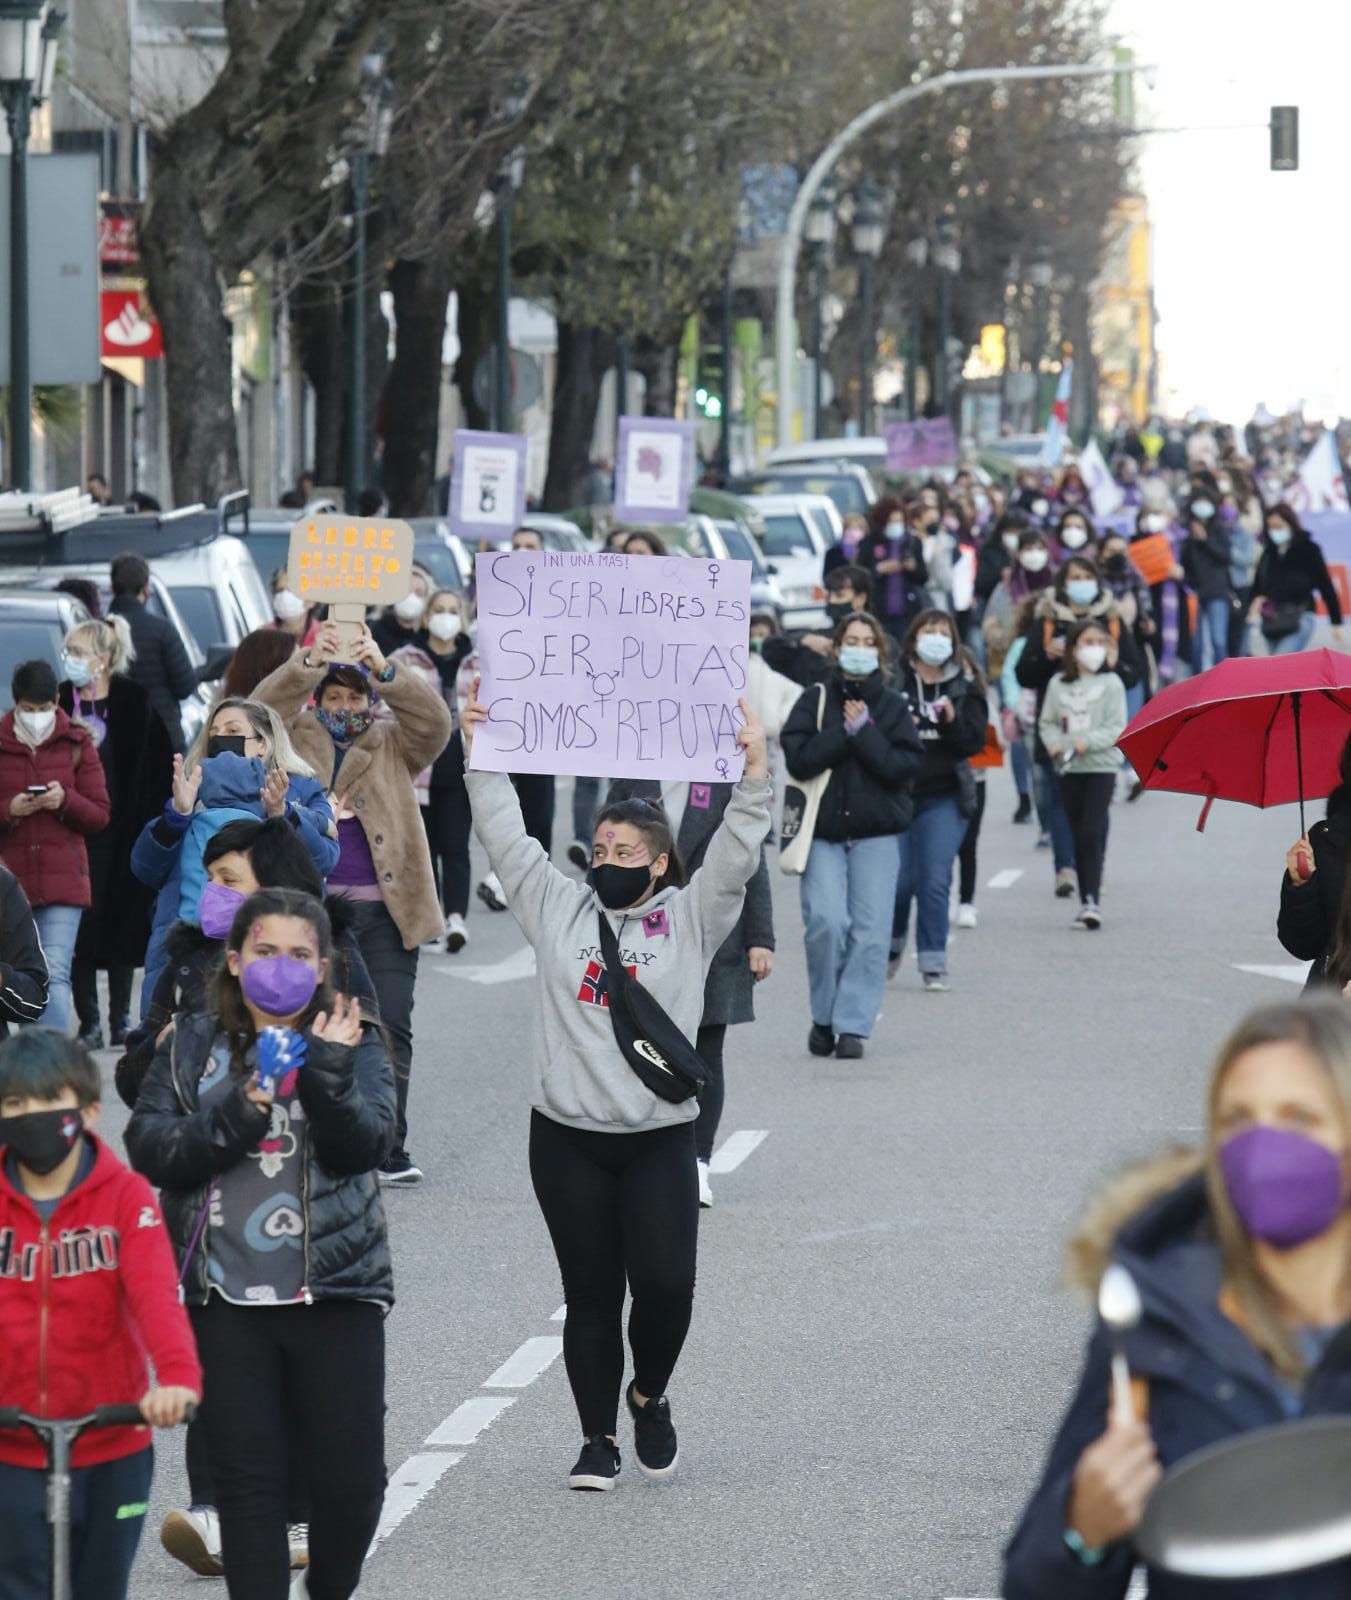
(350,564)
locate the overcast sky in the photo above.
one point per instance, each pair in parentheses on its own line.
(1252,267)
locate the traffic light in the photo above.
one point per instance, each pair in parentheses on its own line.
(1285,138)
(710,386)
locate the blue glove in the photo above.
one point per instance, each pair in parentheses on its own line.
(279,1049)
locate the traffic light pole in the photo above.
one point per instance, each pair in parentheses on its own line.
(824,164)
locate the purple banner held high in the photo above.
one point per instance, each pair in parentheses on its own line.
(655,470)
(487,485)
(912,445)
(612,666)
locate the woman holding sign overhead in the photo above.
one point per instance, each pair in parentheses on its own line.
(615,1085)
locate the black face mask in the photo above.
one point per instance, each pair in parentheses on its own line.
(41,1140)
(838,610)
(1116,565)
(225,744)
(619,887)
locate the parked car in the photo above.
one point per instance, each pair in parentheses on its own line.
(33,623)
(558,533)
(850,487)
(826,515)
(766,595)
(795,549)
(870,453)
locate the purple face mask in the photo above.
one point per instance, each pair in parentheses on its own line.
(1286,1188)
(1228,513)
(216,909)
(279,985)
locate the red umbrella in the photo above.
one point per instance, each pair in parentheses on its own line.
(1264,730)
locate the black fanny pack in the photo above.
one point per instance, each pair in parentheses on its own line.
(650,1042)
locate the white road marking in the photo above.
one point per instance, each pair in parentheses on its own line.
(408,1487)
(1005,879)
(519,964)
(1287,974)
(521,1369)
(561,1315)
(735,1148)
(466,1422)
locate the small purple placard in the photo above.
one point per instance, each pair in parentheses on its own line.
(920,444)
(655,470)
(487,484)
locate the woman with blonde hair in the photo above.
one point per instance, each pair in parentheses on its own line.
(241,764)
(1240,1252)
(135,752)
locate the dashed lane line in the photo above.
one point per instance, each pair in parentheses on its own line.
(520,1370)
(467,1421)
(1286,973)
(735,1148)
(1005,879)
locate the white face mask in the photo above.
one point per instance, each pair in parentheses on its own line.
(444,625)
(1074,537)
(1091,656)
(1011,543)
(1040,508)
(1205,509)
(1154,523)
(38,723)
(1278,534)
(409,609)
(287,605)
(895,528)
(1034,560)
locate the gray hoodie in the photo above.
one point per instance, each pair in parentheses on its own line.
(668,943)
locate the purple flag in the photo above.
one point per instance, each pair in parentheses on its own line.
(487,484)
(655,470)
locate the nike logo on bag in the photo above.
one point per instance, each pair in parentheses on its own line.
(649,1052)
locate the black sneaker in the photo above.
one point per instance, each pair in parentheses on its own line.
(820,1041)
(654,1437)
(597,1466)
(118,1031)
(1024,811)
(92,1038)
(849,1047)
(579,855)
(399,1169)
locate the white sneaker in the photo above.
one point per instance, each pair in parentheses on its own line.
(491,893)
(300,1587)
(705,1188)
(193,1537)
(298,1537)
(966,916)
(457,935)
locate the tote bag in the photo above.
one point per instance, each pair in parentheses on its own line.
(801,803)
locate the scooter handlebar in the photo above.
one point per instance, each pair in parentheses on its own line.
(118,1416)
(121,1416)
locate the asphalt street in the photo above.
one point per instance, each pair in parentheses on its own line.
(880,1347)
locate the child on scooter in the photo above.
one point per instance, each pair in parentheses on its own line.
(87,1291)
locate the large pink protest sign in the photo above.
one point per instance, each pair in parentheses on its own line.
(911,445)
(612,666)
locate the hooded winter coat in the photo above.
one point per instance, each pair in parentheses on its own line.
(348,1096)
(581,1078)
(1307,922)
(46,850)
(1206,1382)
(1054,620)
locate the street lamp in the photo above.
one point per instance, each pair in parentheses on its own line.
(1041,274)
(819,232)
(510,176)
(374,142)
(867,234)
(948,259)
(29,30)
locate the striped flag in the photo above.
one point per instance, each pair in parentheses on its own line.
(1057,426)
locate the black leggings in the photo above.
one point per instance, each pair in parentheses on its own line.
(448,822)
(1087,798)
(966,856)
(84,987)
(619,1206)
(709,1045)
(327,1363)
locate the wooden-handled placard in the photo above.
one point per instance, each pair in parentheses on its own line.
(350,564)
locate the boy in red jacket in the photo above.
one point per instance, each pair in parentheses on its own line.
(88,1291)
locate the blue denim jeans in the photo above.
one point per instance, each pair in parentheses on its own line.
(928,849)
(1051,807)
(1212,618)
(57,927)
(1298,640)
(1022,767)
(848,892)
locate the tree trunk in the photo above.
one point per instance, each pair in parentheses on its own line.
(421,292)
(186,293)
(317,313)
(474,323)
(656,360)
(585,354)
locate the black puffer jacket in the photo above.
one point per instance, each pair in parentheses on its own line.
(1296,576)
(348,1096)
(161,664)
(1307,923)
(23,967)
(946,744)
(871,772)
